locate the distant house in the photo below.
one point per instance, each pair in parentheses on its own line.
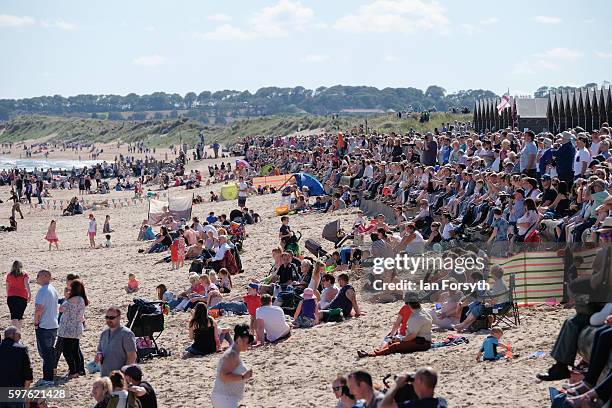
(587,108)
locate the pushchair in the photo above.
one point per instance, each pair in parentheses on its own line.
(315,248)
(288,299)
(294,245)
(145,319)
(333,233)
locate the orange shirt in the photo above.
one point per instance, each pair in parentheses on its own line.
(405,312)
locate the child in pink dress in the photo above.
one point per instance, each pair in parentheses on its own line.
(51,236)
(181,251)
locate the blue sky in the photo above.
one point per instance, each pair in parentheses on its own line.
(72,47)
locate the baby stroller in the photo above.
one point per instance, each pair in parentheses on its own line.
(315,248)
(145,319)
(237,234)
(333,233)
(288,300)
(293,245)
(236,215)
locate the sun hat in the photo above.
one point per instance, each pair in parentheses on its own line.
(308,293)
(606,226)
(253,285)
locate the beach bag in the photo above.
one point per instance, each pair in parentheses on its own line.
(334,315)
(533,237)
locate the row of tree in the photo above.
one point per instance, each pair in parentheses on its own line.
(266,101)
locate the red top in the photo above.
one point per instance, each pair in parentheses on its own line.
(405,312)
(16,285)
(252,303)
(199,289)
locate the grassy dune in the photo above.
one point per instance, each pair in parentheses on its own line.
(171,132)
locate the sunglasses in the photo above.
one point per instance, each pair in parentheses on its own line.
(338,388)
(111,317)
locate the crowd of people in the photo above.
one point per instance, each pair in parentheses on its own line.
(441,186)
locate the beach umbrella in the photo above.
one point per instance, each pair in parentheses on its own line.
(241,164)
(315,188)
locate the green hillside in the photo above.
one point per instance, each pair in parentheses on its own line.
(171,132)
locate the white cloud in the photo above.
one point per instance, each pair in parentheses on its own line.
(273,21)
(522,67)
(489,21)
(224,32)
(60,24)
(547,19)
(279,19)
(391,58)
(546,64)
(7,20)
(149,60)
(150,29)
(316,58)
(601,54)
(546,61)
(560,53)
(220,17)
(404,16)
(476,28)
(470,28)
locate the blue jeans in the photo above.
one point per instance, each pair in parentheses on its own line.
(45,342)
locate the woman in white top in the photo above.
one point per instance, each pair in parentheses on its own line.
(91,231)
(228,390)
(119,388)
(527,222)
(412,241)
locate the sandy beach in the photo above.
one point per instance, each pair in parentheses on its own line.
(301,367)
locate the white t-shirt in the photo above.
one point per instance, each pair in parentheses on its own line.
(446,231)
(582,155)
(594,148)
(530,217)
(243,189)
(417,245)
(274,322)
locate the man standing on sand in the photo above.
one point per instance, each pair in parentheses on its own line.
(17,370)
(46,324)
(117,345)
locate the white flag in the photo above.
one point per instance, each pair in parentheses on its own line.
(505,103)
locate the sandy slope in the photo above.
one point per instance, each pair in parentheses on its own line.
(296,373)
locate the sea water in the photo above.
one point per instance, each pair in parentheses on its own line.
(7,163)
